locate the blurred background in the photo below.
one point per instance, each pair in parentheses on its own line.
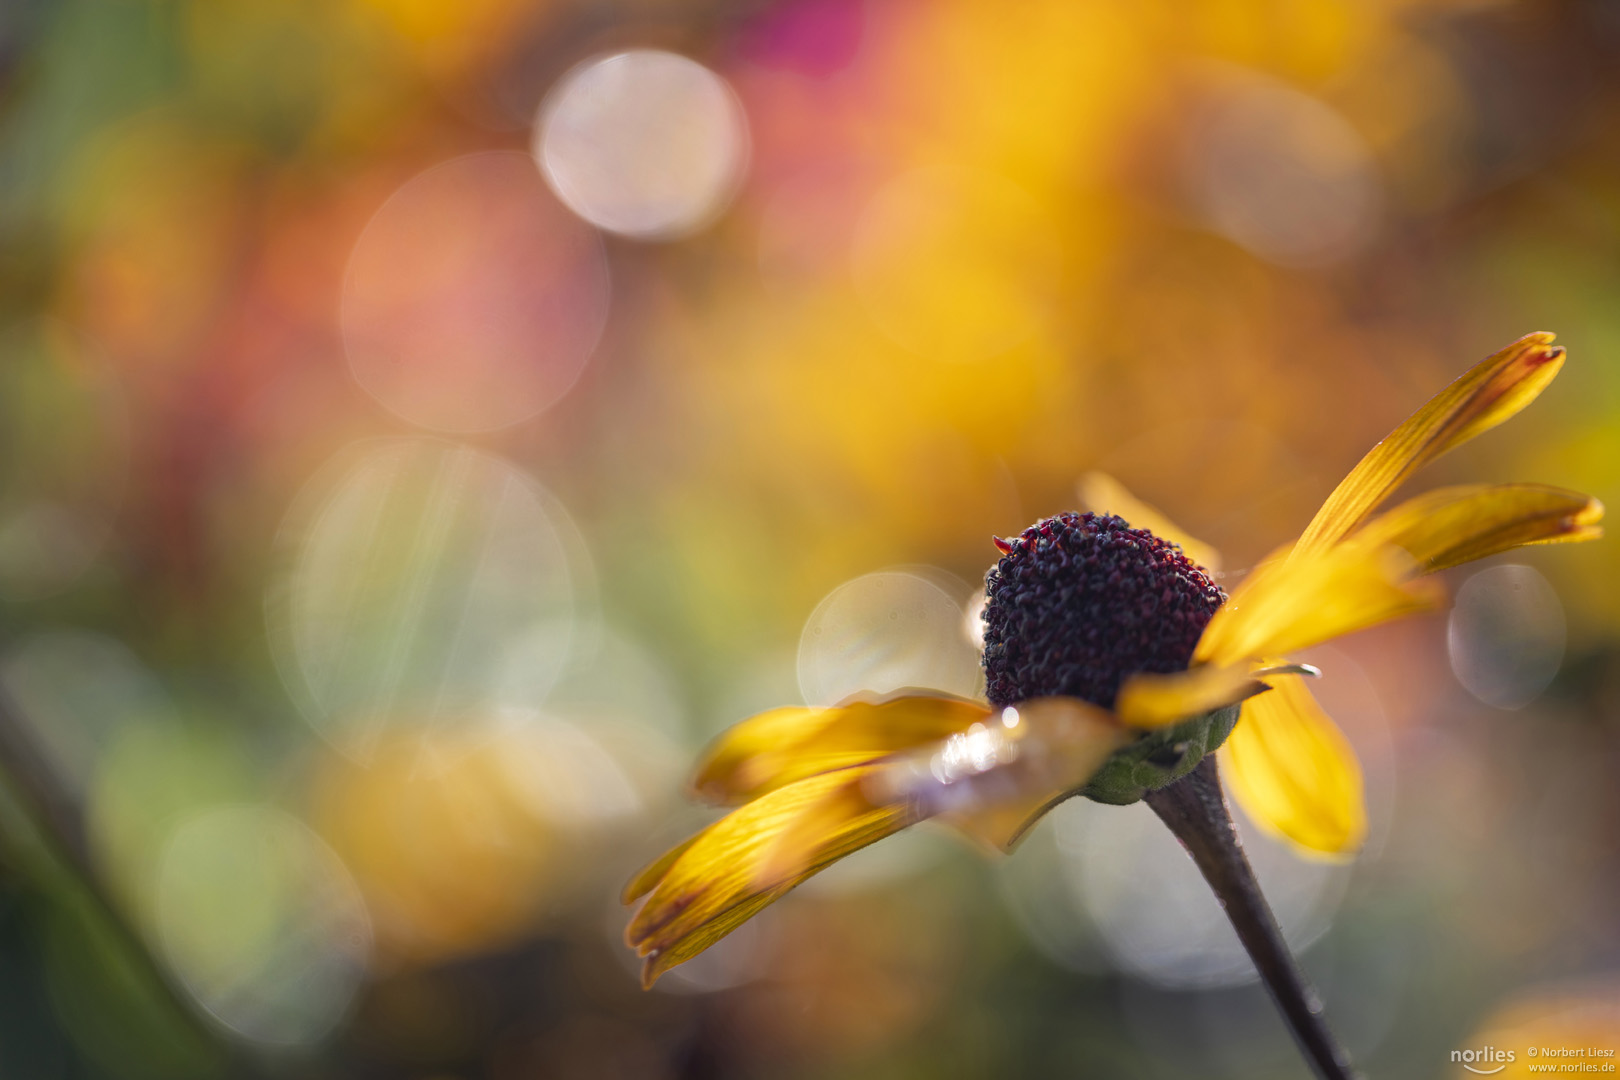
(423,425)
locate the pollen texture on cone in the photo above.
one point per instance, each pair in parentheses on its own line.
(1080,601)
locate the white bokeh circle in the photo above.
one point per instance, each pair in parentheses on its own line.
(1506,635)
(425,585)
(1155,915)
(1283,174)
(882,632)
(644,143)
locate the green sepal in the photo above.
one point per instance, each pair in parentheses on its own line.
(1160,757)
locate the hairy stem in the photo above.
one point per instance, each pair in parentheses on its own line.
(1195,810)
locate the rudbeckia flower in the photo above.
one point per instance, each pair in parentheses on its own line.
(1114,664)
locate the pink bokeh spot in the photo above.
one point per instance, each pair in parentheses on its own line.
(473,300)
(814,37)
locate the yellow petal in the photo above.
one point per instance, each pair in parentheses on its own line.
(650,875)
(728,872)
(990,783)
(1058,744)
(842,821)
(1491,392)
(1290,604)
(1455,525)
(656,963)
(778,747)
(1294,773)
(1102,494)
(1151,701)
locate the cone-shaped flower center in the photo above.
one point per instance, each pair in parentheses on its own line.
(1080,601)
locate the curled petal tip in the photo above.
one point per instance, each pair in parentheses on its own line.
(1486,395)
(1308,670)
(1537,347)
(1584,524)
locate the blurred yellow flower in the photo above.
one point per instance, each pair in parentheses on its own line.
(1115,665)
(1561,1028)
(448,855)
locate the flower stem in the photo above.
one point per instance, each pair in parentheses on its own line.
(1195,810)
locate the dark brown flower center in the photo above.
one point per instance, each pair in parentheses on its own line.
(1080,601)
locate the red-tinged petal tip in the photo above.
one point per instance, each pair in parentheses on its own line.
(1003,546)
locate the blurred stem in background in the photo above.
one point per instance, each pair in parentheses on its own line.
(1195,810)
(133,996)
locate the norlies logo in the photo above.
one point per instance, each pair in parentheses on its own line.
(1485,1055)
